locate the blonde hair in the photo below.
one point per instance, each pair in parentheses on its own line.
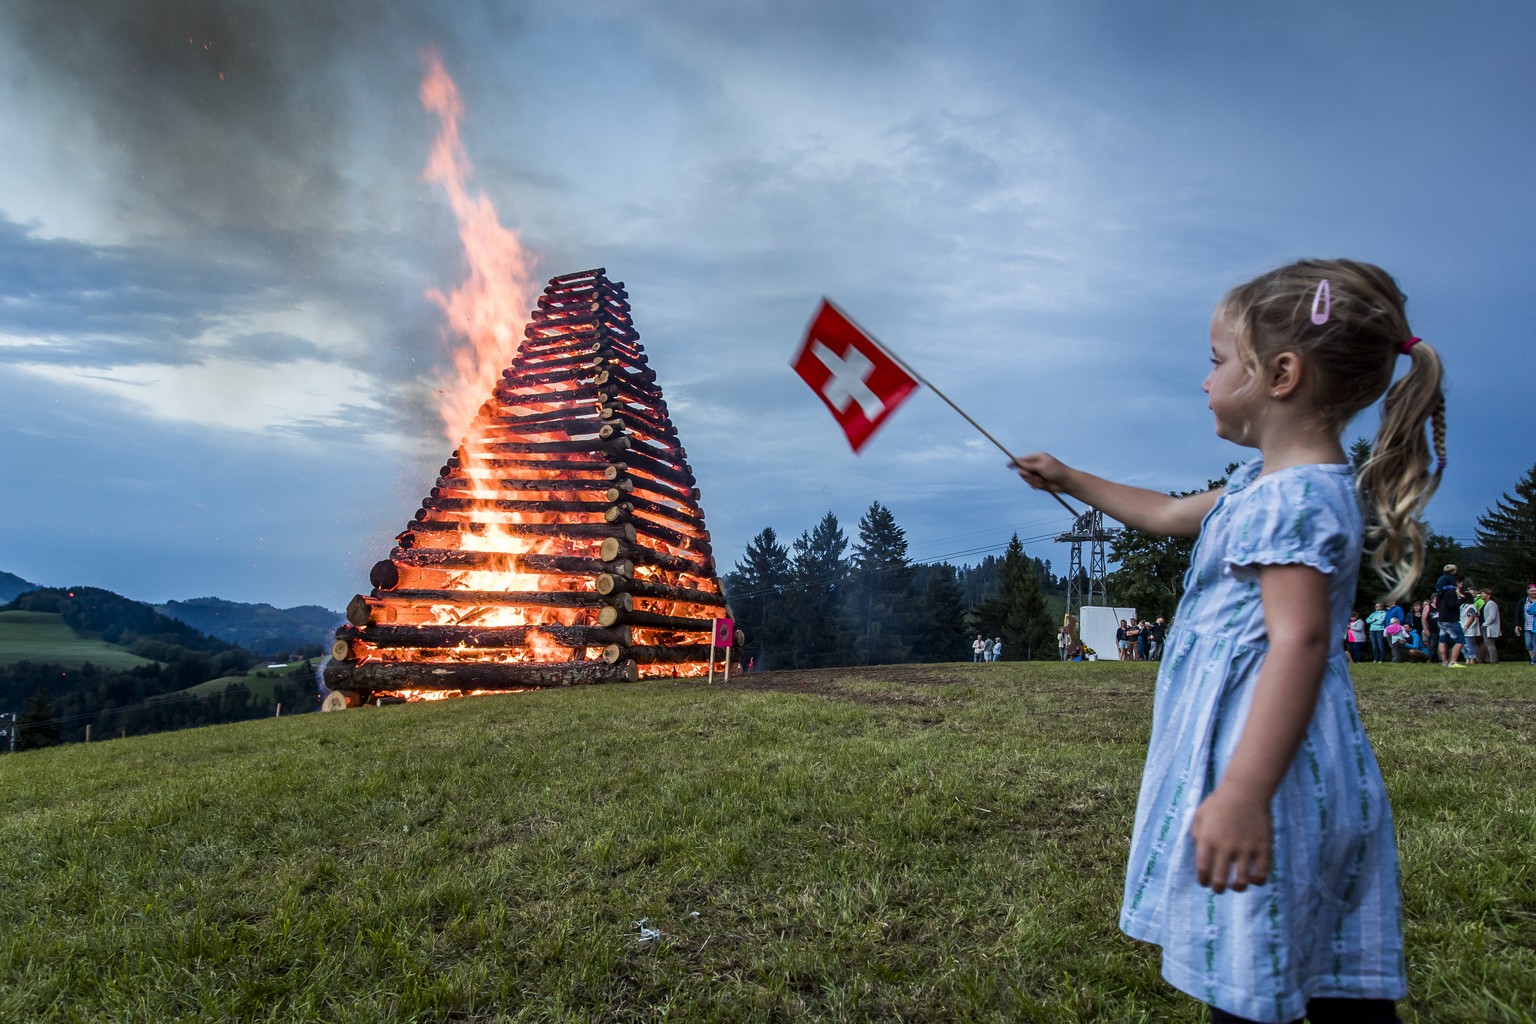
(1354,352)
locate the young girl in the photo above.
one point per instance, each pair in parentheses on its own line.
(1263,861)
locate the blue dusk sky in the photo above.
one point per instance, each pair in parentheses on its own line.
(218,358)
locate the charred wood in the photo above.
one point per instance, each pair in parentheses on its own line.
(472,675)
(614,549)
(609,584)
(651,620)
(480,638)
(513,505)
(650,655)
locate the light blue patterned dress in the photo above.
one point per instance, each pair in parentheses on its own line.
(1328,921)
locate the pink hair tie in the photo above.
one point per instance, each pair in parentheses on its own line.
(1407,346)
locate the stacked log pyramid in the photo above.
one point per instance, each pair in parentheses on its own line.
(563,541)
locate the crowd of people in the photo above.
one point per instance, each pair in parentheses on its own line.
(983,649)
(1140,640)
(1458,625)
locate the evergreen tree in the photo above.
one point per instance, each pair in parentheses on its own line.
(943,634)
(757,588)
(879,601)
(35,727)
(1027,629)
(818,576)
(1506,533)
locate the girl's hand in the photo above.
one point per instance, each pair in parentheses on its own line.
(1042,472)
(1232,834)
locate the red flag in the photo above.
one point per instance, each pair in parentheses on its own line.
(854,376)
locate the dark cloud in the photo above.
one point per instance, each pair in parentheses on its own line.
(223,113)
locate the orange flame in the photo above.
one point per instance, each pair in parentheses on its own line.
(488,308)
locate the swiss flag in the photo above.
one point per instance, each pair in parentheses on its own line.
(855,377)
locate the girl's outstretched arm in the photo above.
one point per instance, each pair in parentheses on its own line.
(1232,829)
(1136,507)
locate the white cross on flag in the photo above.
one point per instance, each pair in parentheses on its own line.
(856,378)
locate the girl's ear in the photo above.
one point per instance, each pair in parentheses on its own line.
(1285,373)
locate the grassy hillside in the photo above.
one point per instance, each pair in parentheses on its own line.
(911,843)
(43,637)
(259,681)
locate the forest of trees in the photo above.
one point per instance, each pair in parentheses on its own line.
(56,702)
(822,601)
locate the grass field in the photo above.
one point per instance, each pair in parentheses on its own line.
(43,637)
(259,681)
(914,843)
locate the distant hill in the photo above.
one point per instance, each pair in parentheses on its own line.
(13,586)
(258,627)
(85,656)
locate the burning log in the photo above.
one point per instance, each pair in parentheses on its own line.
(626,531)
(662,472)
(374,676)
(614,549)
(653,620)
(637,587)
(513,505)
(652,655)
(429,636)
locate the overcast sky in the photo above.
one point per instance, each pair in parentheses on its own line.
(218,358)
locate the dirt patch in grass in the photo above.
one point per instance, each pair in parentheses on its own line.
(909,685)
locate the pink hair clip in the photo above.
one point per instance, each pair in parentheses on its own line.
(1407,346)
(1322,302)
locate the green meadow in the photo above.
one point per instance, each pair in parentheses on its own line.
(43,637)
(914,843)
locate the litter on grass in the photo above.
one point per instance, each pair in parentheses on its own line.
(647,934)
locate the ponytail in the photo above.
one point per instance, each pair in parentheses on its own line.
(1400,477)
(1350,320)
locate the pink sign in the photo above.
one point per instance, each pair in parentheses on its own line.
(725,632)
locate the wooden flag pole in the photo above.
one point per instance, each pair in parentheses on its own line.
(925,383)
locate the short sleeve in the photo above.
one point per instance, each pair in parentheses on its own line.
(1294,519)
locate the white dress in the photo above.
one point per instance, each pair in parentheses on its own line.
(1328,921)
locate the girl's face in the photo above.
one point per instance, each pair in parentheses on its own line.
(1228,386)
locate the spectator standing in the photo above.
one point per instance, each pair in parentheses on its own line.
(1493,627)
(1448,615)
(1357,638)
(1159,631)
(978,649)
(1063,641)
(1525,625)
(1376,625)
(997,649)
(1430,627)
(1471,626)
(1120,642)
(1132,640)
